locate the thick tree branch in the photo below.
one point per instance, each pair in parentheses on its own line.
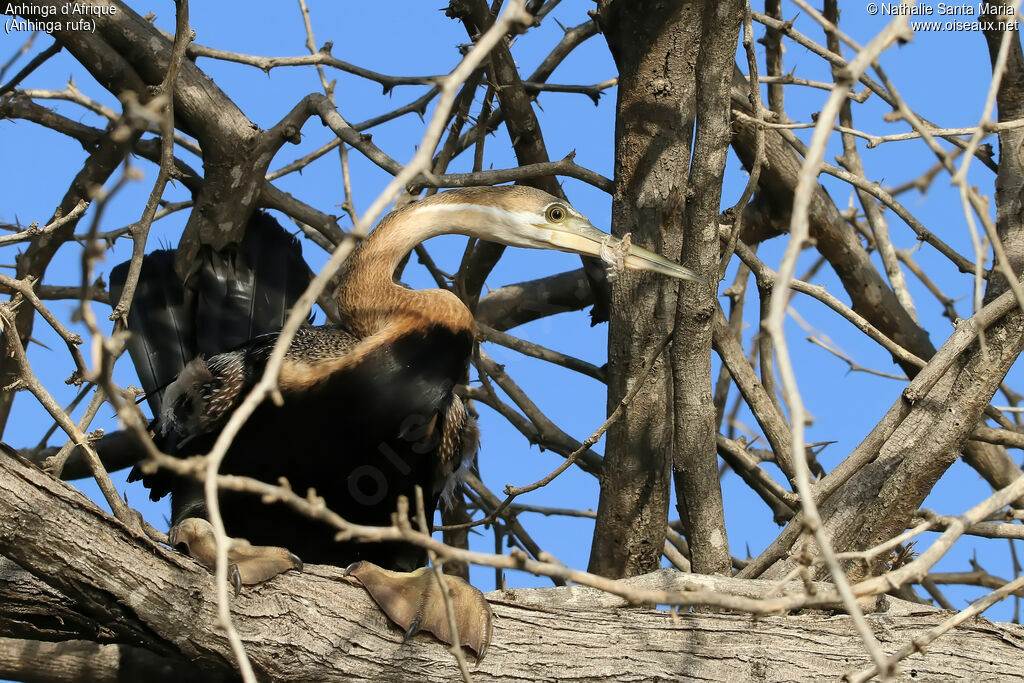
(695,458)
(318,626)
(655,47)
(72,661)
(520,303)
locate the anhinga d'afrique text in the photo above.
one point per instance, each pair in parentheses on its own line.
(369,408)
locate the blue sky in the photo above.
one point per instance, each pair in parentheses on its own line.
(943,75)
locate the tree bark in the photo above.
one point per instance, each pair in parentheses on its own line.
(655,46)
(522,302)
(318,626)
(74,660)
(877,503)
(1010,179)
(695,456)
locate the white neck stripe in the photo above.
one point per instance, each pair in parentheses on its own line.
(495,211)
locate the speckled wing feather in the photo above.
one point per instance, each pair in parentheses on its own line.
(200,400)
(460,440)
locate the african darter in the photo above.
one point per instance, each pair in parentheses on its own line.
(369,411)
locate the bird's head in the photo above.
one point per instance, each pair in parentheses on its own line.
(522,216)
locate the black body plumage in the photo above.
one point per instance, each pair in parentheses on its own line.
(360,436)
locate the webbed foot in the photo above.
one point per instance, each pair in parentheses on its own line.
(250,564)
(413,600)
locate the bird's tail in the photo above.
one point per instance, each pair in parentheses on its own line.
(227,298)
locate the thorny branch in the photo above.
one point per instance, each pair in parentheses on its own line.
(502,309)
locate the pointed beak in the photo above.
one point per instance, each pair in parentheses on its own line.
(639,258)
(588,240)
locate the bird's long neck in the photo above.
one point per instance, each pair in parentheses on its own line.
(369,298)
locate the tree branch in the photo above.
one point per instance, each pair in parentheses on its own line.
(319,626)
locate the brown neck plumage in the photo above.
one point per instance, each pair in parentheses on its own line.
(368,297)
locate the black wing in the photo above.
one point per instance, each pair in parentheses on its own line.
(228,298)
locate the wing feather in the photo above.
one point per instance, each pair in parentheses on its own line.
(200,331)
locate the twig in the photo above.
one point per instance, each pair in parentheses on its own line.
(789,79)
(25,47)
(854,367)
(71,339)
(524,347)
(35,232)
(512,492)
(851,160)
(755,170)
(548,432)
(772,279)
(747,467)
(456,645)
(921,642)
(799,230)
(36,62)
(786,28)
(27,380)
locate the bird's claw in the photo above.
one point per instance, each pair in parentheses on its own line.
(414,602)
(250,564)
(413,629)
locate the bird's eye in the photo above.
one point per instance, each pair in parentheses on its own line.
(556,213)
